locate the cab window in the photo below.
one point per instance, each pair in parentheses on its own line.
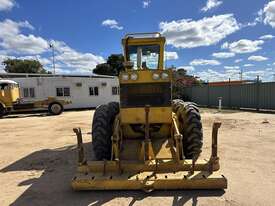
(144,56)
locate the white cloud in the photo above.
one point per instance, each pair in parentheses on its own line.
(248,65)
(238,60)
(253,74)
(12,40)
(187,68)
(6,5)
(231,67)
(243,46)
(197,62)
(223,55)
(268,36)
(212,75)
(187,33)
(258,18)
(210,4)
(69,57)
(232,71)
(269,14)
(274,63)
(146,3)
(264,74)
(3,58)
(112,23)
(234,74)
(12,28)
(171,55)
(257,58)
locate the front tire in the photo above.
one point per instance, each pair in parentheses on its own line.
(102,130)
(191,127)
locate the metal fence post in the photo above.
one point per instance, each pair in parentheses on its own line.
(208,103)
(220,103)
(192,93)
(229,93)
(258,93)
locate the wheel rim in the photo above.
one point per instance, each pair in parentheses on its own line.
(56,108)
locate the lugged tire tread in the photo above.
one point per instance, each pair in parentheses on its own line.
(102,127)
(190,119)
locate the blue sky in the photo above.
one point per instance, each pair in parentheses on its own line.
(213,39)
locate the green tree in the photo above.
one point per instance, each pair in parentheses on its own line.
(112,67)
(104,69)
(180,80)
(23,66)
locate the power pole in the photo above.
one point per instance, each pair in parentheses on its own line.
(53,55)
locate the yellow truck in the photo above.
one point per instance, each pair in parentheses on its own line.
(10,100)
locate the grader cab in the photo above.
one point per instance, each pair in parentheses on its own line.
(147,141)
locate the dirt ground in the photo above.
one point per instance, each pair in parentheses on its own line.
(37,161)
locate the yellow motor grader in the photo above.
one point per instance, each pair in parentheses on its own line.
(147,141)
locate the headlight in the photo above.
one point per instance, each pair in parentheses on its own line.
(164,75)
(134,76)
(155,76)
(125,77)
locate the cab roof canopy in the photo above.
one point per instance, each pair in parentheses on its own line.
(6,81)
(143,38)
(143,35)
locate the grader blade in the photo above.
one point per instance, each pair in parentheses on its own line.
(149,181)
(157,174)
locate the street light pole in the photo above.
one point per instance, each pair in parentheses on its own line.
(241,74)
(52,47)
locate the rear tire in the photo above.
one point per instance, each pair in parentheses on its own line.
(102,130)
(55,108)
(191,127)
(3,111)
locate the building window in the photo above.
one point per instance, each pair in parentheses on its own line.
(59,92)
(115,90)
(67,92)
(93,91)
(32,94)
(28,92)
(63,92)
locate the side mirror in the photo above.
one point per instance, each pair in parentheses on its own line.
(128,64)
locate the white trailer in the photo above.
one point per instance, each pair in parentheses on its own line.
(82,91)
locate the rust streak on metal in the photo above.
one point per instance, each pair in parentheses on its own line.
(80,148)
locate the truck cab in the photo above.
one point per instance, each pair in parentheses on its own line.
(9,93)
(10,100)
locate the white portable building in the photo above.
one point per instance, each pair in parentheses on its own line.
(83,91)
